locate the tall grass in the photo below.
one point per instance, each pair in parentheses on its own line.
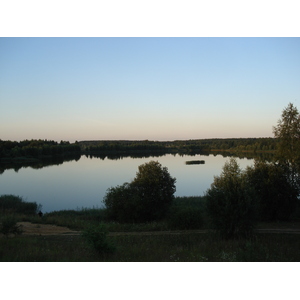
(185,213)
(175,246)
(190,247)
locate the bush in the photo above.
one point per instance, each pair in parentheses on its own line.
(96,236)
(9,226)
(147,198)
(122,203)
(184,218)
(230,203)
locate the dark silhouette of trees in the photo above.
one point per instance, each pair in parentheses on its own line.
(269,191)
(287,132)
(36,149)
(275,196)
(230,203)
(184,146)
(147,198)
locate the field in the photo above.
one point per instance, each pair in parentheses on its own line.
(184,236)
(46,243)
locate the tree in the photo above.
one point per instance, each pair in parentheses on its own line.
(275,196)
(230,203)
(148,197)
(287,132)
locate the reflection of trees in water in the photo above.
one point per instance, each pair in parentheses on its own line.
(116,156)
(265,156)
(45,162)
(248,155)
(37,164)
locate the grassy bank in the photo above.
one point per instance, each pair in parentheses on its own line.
(186,213)
(177,238)
(190,247)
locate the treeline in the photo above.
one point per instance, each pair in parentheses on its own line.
(116,146)
(10,150)
(193,146)
(241,144)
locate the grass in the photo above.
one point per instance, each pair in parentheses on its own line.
(191,247)
(182,210)
(144,242)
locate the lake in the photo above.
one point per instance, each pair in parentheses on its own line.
(83,183)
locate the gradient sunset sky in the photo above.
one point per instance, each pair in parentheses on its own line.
(145,88)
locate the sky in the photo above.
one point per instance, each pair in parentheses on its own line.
(145,88)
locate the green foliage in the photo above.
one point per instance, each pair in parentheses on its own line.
(230,203)
(287,132)
(9,226)
(155,189)
(147,198)
(122,203)
(15,204)
(185,218)
(186,213)
(75,219)
(185,247)
(96,236)
(275,196)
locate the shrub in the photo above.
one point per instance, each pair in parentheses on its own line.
(147,198)
(121,203)
(9,226)
(230,203)
(185,218)
(287,133)
(96,236)
(275,195)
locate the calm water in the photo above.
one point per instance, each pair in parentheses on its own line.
(83,183)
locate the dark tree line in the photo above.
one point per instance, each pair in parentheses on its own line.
(36,149)
(265,191)
(185,146)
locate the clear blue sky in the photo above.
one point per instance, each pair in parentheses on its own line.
(145,88)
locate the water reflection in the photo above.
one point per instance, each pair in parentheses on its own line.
(46,162)
(37,164)
(82,181)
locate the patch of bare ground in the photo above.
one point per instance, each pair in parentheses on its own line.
(44,229)
(47,229)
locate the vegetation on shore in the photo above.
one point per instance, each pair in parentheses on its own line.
(36,150)
(181,146)
(165,241)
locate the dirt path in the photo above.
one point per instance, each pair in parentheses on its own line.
(46,229)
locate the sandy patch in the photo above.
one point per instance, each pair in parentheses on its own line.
(44,229)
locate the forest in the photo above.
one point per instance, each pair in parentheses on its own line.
(196,146)
(35,149)
(40,153)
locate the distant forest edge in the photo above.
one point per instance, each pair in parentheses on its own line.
(36,150)
(185,146)
(42,149)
